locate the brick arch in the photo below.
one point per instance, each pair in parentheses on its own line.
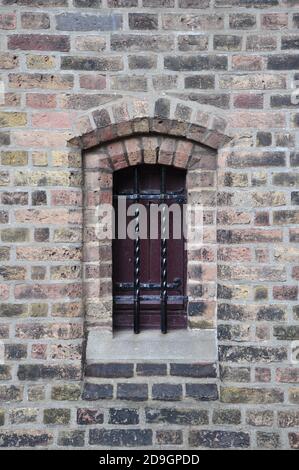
(127,116)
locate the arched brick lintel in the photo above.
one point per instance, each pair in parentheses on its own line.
(162,115)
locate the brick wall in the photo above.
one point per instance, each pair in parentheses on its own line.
(232,60)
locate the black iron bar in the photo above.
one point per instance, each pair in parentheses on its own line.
(136,261)
(163,256)
(149,285)
(128,299)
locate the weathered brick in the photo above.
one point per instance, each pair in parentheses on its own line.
(148,369)
(41,80)
(227,416)
(260,417)
(287,375)
(251,395)
(8,21)
(193,42)
(8,61)
(294,440)
(227,42)
(66,392)
(235,374)
(71,438)
(167,392)
(274,21)
(97,392)
(15,351)
(194,63)
(251,353)
(113,64)
(141,42)
(89,416)
(202,392)
(23,415)
(25,438)
(268,440)
(288,419)
(200,81)
(88,3)
(59,416)
(35,20)
(39,42)
(80,22)
(192,22)
(13,198)
(120,437)
(10,393)
(242,21)
(143,21)
(177,416)
(193,370)
(286,332)
(283,62)
(169,437)
(123,416)
(110,370)
(285,292)
(41,371)
(219,439)
(132,391)
(5,370)
(12,119)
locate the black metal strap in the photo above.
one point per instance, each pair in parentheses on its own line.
(129,299)
(149,285)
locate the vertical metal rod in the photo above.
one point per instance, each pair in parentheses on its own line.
(136,261)
(163,257)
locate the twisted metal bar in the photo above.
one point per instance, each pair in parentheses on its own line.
(136,265)
(163,258)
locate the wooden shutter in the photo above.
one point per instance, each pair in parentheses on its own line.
(149,184)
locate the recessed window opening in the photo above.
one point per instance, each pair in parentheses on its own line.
(149,268)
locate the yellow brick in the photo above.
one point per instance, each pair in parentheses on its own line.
(14,158)
(66,158)
(12,119)
(39,159)
(40,61)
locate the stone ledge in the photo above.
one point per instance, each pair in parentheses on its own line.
(151,345)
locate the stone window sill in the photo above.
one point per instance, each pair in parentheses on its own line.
(151,345)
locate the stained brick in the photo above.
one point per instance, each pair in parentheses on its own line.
(110,370)
(167,392)
(97,391)
(80,22)
(177,416)
(202,392)
(39,42)
(193,370)
(120,437)
(219,439)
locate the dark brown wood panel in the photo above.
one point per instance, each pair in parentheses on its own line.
(149,182)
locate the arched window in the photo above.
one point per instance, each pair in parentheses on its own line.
(149,256)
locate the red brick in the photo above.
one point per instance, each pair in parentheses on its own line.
(285,292)
(52,120)
(248,101)
(8,21)
(39,42)
(93,82)
(40,100)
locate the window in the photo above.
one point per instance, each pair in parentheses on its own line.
(149,268)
